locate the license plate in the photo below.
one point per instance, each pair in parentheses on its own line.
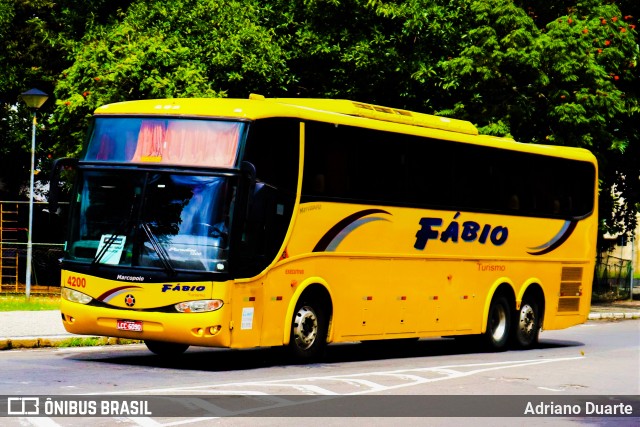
(129,325)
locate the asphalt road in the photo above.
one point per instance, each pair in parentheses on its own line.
(598,358)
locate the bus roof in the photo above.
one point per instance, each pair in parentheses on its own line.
(338,111)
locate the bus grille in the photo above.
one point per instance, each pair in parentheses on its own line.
(571,274)
(570,289)
(569,304)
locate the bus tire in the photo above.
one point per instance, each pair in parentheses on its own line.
(526,325)
(309,328)
(498,324)
(168,349)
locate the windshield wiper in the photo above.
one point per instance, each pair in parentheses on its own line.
(162,254)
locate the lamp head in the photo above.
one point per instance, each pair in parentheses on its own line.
(34,98)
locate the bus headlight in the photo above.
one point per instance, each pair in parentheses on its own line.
(75,296)
(199,306)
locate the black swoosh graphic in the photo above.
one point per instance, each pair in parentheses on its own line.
(560,241)
(324,242)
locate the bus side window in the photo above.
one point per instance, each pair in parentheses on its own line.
(272,147)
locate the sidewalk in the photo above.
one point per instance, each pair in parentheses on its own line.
(615,310)
(35,329)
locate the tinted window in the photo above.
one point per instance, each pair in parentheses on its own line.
(365,166)
(273,148)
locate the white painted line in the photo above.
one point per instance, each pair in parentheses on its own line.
(38,422)
(447,372)
(189,421)
(143,421)
(209,406)
(357,383)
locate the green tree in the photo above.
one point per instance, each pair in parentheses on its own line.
(176,48)
(383,52)
(544,71)
(35,35)
(591,59)
(560,74)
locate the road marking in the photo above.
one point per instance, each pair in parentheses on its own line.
(39,422)
(143,421)
(273,393)
(404,378)
(189,421)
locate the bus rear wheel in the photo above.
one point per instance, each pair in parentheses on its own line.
(527,325)
(309,328)
(162,348)
(498,324)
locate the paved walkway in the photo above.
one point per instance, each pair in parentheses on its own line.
(32,329)
(616,309)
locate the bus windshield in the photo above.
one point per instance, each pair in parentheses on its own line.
(152,219)
(186,142)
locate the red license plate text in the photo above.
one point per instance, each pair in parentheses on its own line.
(129,325)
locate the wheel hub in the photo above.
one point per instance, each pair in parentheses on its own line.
(305,328)
(498,323)
(527,320)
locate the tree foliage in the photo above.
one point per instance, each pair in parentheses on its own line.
(543,71)
(37,36)
(178,48)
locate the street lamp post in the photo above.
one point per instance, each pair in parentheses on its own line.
(34,99)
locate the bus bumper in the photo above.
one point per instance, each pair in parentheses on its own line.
(563,321)
(200,329)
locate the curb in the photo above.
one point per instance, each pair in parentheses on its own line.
(59,341)
(609,316)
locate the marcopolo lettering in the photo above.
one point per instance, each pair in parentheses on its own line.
(130,278)
(468,231)
(182,288)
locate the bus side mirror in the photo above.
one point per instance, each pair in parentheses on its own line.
(249,176)
(59,165)
(249,171)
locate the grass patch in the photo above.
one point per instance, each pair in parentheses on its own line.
(12,302)
(94,341)
(80,342)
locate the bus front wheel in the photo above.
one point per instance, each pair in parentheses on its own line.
(309,328)
(498,324)
(527,325)
(162,348)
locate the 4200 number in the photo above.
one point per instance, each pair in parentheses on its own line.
(77,282)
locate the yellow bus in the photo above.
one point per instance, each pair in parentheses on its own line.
(263,222)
